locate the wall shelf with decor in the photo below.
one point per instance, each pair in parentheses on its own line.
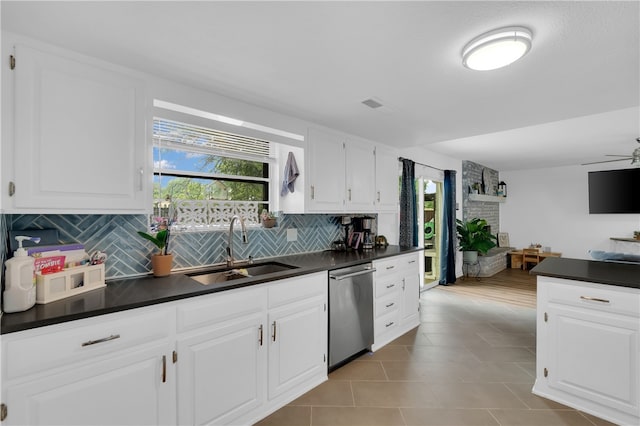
(626,240)
(487,198)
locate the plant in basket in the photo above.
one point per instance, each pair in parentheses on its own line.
(268,218)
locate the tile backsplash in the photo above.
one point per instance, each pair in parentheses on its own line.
(129,255)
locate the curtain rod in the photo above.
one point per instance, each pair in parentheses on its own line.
(426,165)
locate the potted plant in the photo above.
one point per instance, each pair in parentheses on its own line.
(160,262)
(474,237)
(268,219)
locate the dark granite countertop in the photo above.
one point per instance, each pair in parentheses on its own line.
(124,294)
(595,271)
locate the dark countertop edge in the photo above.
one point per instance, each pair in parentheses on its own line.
(594,271)
(306,263)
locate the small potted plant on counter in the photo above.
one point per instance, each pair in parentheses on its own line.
(474,237)
(268,219)
(161,262)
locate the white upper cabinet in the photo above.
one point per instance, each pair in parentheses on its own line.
(326,161)
(79,143)
(387,180)
(341,174)
(360,176)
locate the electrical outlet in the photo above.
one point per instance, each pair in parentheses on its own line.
(292,234)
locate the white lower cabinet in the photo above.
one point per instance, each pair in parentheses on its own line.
(397,294)
(245,353)
(588,348)
(227,358)
(113,369)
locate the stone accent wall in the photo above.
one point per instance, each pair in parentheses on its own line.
(493,262)
(472,173)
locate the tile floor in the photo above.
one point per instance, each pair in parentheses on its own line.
(470,362)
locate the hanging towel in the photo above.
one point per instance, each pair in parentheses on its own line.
(291,172)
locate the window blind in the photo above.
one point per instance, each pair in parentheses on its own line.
(168,133)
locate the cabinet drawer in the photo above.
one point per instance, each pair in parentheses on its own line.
(386,267)
(298,288)
(218,307)
(387,323)
(387,304)
(620,300)
(388,285)
(67,344)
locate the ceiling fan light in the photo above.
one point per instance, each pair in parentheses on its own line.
(497,48)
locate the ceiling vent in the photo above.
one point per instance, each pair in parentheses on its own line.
(372,103)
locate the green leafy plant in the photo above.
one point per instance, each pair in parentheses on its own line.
(474,235)
(265,214)
(160,239)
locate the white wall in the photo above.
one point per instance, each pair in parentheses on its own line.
(551,206)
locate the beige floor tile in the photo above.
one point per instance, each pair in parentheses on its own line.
(495,372)
(509,339)
(523,392)
(359,370)
(447,417)
(430,372)
(539,418)
(288,416)
(442,354)
(332,392)
(356,416)
(597,421)
(387,353)
(412,338)
(460,340)
(506,354)
(393,394)
(476,395)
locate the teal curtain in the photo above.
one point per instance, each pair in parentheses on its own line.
(408,212)
(448,237)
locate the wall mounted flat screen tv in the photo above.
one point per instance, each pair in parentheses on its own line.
(614,191)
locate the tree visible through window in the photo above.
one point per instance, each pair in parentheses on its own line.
(202,177)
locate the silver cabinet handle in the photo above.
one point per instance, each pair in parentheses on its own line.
(378,196)
(164,368)
(104,339)
(594,299)
(260,334)
(389,325)
(412,261)
(349,194)
(391,285)
(274,331)
(313,192)
(141,171)
(390,267)
(389,305)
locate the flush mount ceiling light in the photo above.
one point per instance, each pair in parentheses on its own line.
(497,48)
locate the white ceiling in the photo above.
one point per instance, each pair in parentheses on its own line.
(574,98)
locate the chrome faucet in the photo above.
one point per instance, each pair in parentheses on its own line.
(245,239)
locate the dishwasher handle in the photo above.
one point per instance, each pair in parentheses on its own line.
(352,274)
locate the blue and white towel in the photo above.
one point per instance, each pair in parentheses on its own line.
(291,173)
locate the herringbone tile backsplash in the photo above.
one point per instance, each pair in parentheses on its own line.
(129,255)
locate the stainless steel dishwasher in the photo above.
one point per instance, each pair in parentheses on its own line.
(350,312)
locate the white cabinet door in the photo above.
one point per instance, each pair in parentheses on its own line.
(594,356)
(360,176)
(326,162)
(79,137)
(136,388)
(411,293)
(387,180)
(297,344)
(221,372)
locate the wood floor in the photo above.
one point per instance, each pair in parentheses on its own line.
(513,286)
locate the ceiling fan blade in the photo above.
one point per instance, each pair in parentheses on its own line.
(607,161)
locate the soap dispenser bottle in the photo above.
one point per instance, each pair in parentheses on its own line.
(20,279)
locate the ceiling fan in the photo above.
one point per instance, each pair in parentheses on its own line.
(634,157)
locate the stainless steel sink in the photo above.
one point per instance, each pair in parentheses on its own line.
(221,276)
